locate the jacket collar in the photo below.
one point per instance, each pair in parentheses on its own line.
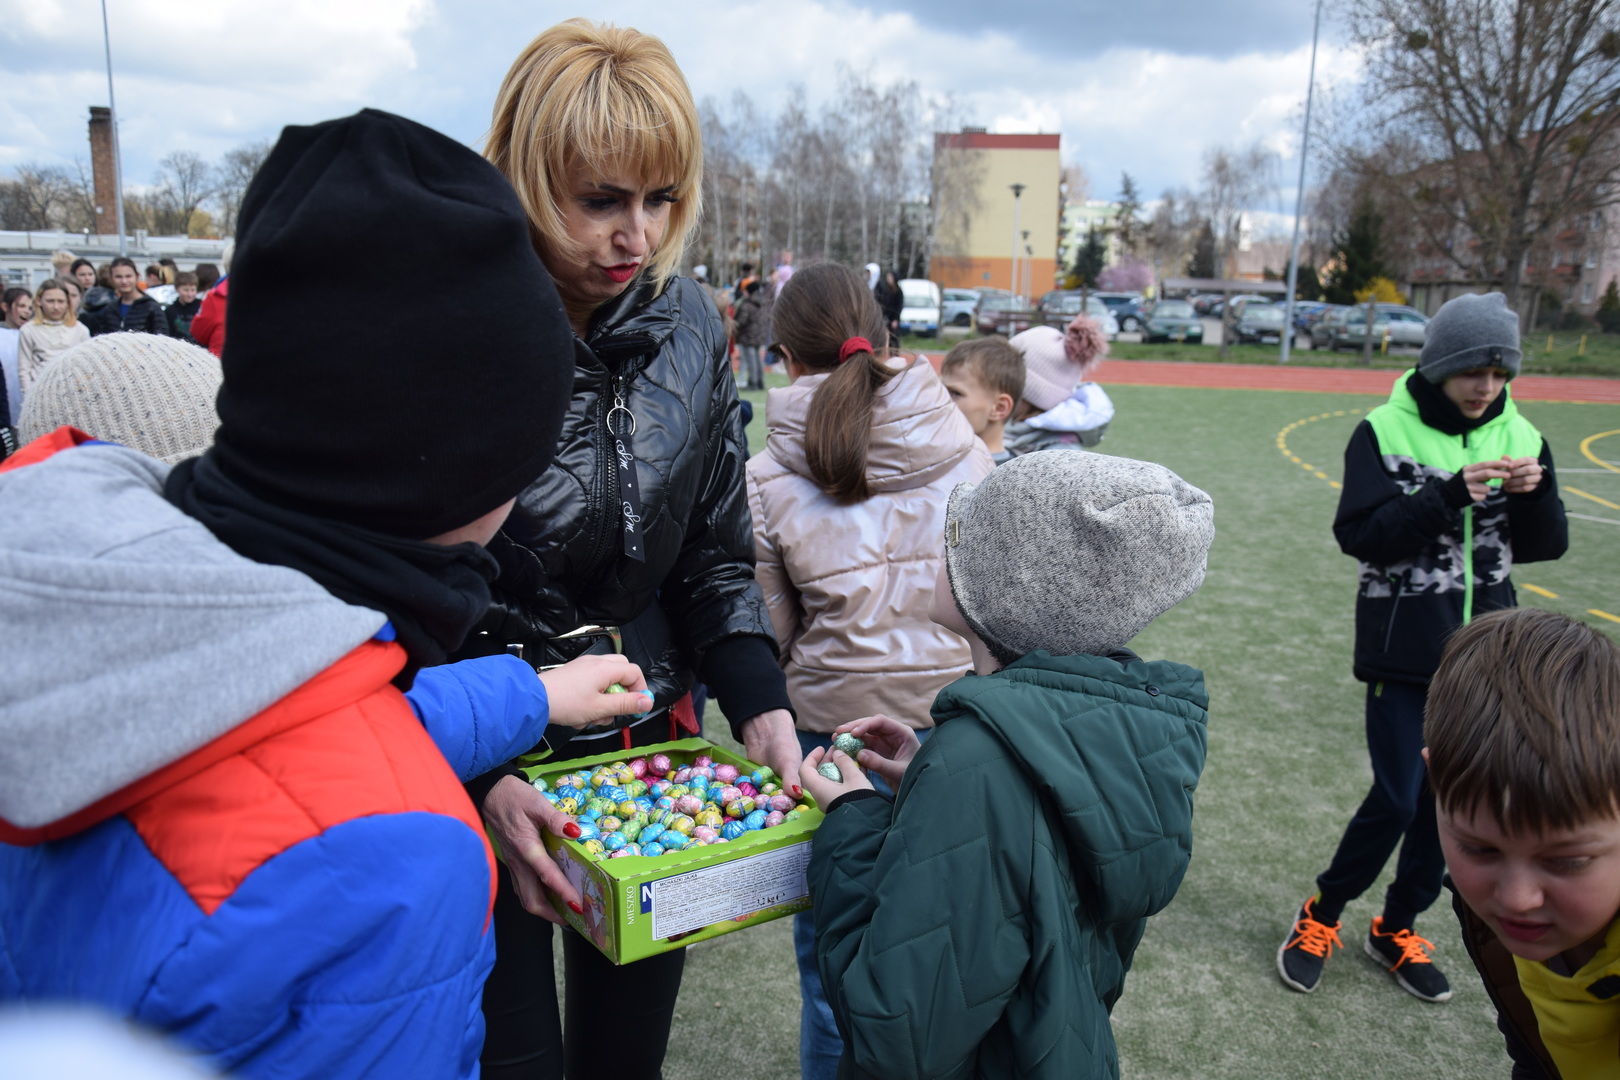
(1438,411)
(637,322)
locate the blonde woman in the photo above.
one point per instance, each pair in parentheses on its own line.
(641,522)
(54,329)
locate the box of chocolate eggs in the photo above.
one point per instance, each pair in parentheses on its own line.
(679,842)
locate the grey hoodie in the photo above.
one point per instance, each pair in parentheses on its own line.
(132,636)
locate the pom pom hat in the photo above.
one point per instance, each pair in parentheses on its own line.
(1073,552)
(410,418)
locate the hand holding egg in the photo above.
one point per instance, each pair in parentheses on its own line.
(821,784)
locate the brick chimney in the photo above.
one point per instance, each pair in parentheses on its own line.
(102,170)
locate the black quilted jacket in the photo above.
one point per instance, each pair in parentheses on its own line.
(693,600)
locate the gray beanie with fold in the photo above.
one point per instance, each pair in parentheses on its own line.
(1469,332)
(1073,552)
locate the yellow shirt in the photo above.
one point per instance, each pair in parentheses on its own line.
(1579,1015)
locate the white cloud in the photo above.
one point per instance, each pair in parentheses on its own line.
(209,76)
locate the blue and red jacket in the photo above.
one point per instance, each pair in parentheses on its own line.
(306,895)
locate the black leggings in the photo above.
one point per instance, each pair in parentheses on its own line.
(523,1038)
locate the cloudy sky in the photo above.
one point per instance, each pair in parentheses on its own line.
(1144,86)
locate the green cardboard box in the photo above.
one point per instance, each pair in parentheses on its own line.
(640,906)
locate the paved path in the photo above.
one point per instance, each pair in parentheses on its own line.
(1327,380)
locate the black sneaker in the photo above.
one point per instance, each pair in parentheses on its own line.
(1406,957)
(1306,949)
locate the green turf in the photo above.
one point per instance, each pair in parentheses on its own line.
(1287,766)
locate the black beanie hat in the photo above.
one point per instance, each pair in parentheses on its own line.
(398,357)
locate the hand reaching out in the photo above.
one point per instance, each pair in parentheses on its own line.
(890,746)
(515,812)
(823,790)
(578,690)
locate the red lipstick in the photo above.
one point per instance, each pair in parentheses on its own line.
(621,273)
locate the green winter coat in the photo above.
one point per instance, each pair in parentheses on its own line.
(982,924)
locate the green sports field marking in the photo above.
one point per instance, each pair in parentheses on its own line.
(1282,443)
(1586,448)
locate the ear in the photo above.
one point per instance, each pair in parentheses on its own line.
(1002,408)
(1425,757)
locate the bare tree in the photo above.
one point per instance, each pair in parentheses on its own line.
(1234,180)
(36,197)
(1507,112)
(184,181)
(231,178)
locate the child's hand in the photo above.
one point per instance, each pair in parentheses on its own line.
(578,690)
(1478,475)
(1525,478)
(823,790)
(890,746)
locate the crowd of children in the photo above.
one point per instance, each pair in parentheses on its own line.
(231,719)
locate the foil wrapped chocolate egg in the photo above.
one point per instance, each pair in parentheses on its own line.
(755,820)
(540,784)
(659,763)
(682,824)
(710,816)
(600,805)
(728,794)
(643,802)
(689,805)
(736,810)
(568,804)
(550,797)
(672,841)
(664,802)
(636,788)
(622,853)
(704,834)
(733,829)
(682,774)
(781,803)
(614,793)
(568,791)
(747,788)
(762,776)
(609,823)
(587,831)
(592,846)
(703,760)
(848,744)
(614,841)
(774,818)
(628,809)
(831,772)
(791,815)
(675,790)
(769,787)
(631,829)
(726,774)
(638,768)
(803,808)
(589,814)
(650,834)
(652,850)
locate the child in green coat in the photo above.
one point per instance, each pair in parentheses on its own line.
(982,923)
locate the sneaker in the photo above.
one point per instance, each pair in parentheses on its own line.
(1306,949)
(1406,957)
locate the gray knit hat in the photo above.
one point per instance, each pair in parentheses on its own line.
(147,392)
(1468,332)
(1073,552)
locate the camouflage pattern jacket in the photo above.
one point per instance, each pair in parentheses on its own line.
(1431,558)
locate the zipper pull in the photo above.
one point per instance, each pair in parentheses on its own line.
(621,425)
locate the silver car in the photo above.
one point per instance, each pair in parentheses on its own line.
(1345,328)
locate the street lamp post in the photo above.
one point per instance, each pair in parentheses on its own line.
(112,116)
(1299,197)
(1017,190)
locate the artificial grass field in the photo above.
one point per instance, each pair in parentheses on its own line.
(1287,767)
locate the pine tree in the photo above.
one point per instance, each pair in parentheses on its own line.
(1360,256)
(1608,309)
(1202,264)
(1127,224)
(1088,261)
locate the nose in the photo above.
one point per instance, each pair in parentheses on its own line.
(631,236)
(1519,891)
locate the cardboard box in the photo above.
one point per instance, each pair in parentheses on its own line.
(640,906)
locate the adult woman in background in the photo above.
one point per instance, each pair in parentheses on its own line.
(642,520)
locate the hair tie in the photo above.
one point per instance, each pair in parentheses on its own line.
(852,346)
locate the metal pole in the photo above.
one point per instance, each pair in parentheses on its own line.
(112,115)
(1299,196)
(1017,190)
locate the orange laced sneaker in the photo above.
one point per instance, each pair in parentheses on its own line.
(1406,957)
(1306,949)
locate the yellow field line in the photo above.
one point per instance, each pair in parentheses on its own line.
(1539,591)
(1586,448)
(1282,444)
(1594,498)
(1603,614)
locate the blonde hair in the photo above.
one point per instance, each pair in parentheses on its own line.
(608,97)
(69,319)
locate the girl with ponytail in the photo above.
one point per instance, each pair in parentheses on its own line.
(848,501)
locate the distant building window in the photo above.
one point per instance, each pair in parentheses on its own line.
(1587,292)
(1591,258)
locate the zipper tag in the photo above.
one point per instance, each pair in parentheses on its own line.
(621,425)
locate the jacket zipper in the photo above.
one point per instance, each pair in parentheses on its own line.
(1399,584)
(607,512)
(1468,555)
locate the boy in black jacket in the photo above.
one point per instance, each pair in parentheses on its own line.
(1445,487)
(130,309)
(180,313)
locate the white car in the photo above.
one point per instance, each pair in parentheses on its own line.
(920,309)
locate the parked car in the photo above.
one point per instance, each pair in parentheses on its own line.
(1059,307)
(957,307)
(1303,312)
(1218,308)
(1172,320)
(1005,314)
(1260,322)
(1345,327)
(1127,309)
(1201,301)
(920,308)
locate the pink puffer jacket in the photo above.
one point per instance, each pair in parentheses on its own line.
(849,587)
